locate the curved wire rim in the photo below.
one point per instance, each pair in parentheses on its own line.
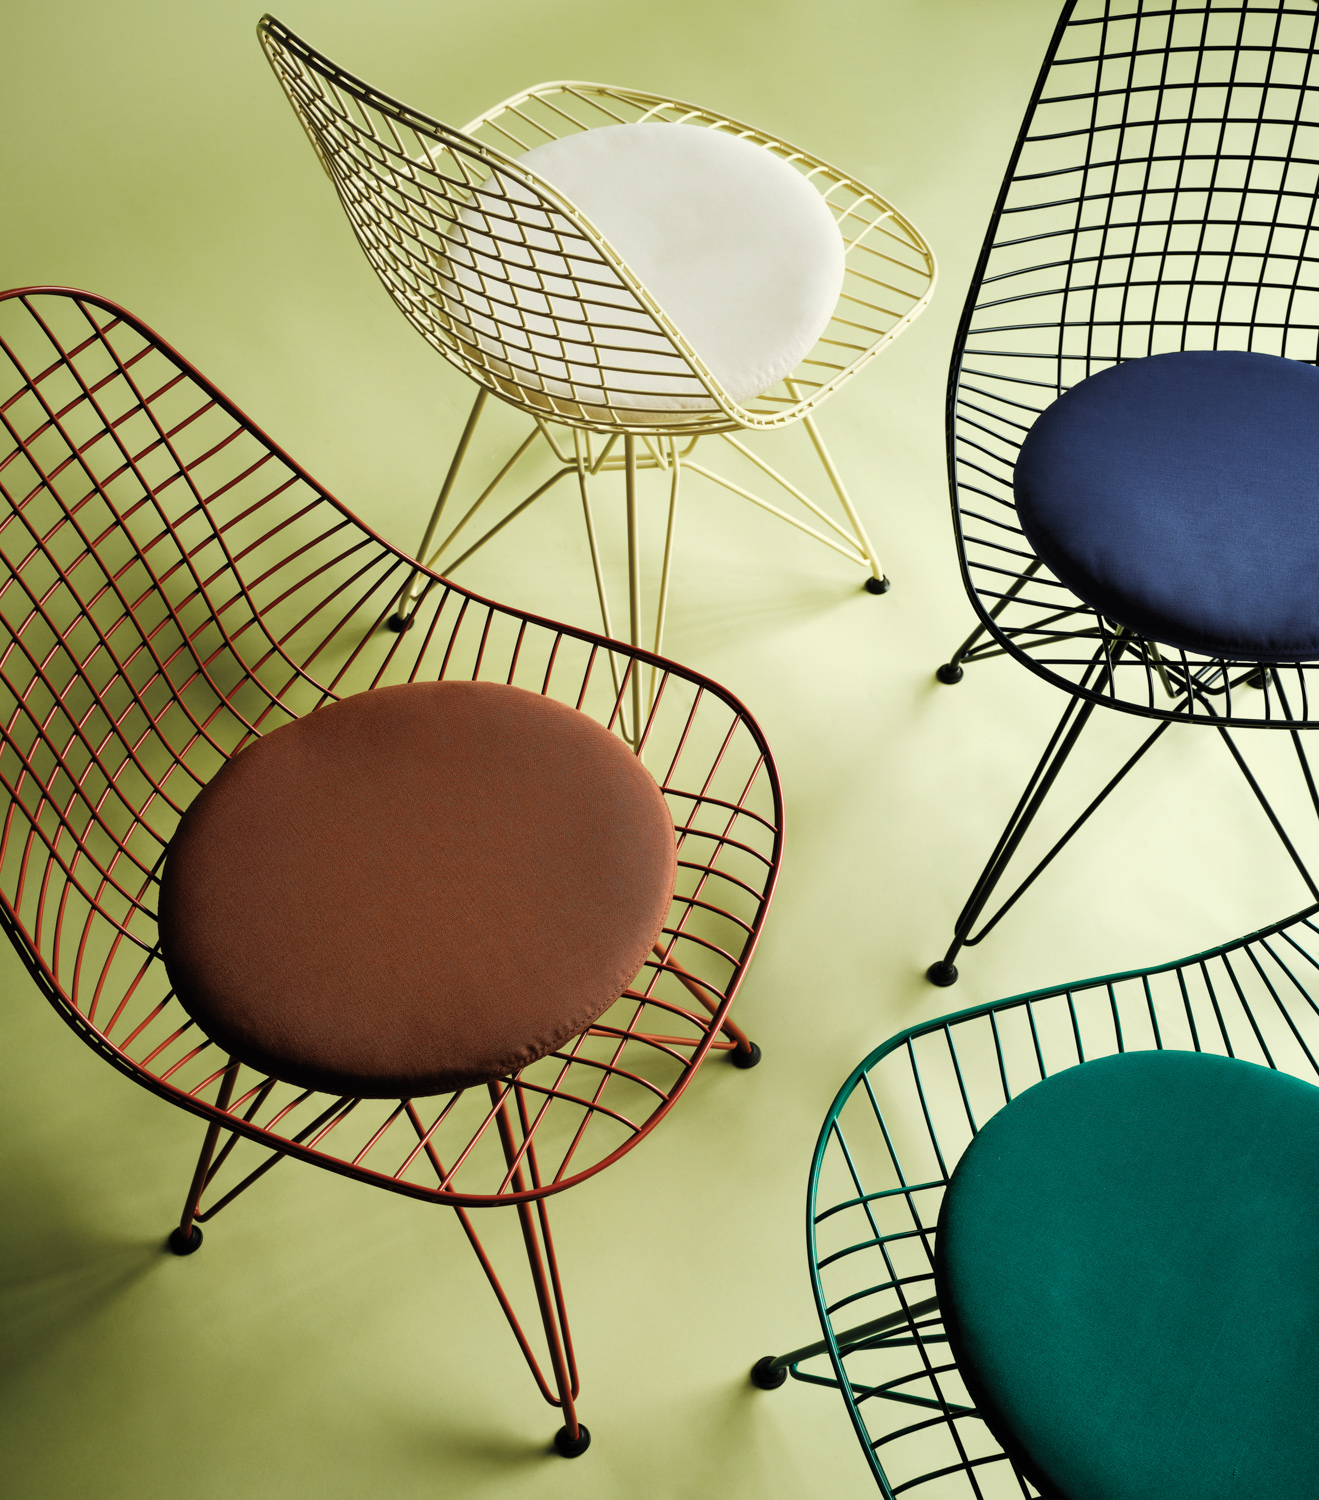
(731,416)
(91,1035)
(924,1028)
(1192,664)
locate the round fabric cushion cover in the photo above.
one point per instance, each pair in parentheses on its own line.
(416,889)
(1128,1270)
(1179,495)
(736,246)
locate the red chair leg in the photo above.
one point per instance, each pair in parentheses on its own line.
(187,1237)
(745,1053)
(573,1438)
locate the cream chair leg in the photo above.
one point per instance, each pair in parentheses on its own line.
(847,543)
(583,458)
(408,597)
(843,542)
(481,499)
(583,483)
(541,489)
(633,580)
(675,475)
(877,583)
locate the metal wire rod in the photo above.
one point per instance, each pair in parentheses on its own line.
(851,1340)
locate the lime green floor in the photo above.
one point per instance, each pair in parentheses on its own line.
(330,1341)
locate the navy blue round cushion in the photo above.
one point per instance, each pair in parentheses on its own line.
(1127,1265)
(1179,495)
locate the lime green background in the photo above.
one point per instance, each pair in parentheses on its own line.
(338,1343)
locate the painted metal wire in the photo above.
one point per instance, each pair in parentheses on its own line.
(1161,196)
(901,1122)
(172,585)
(511,283)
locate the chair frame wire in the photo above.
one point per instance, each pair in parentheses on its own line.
(512,315)
(898,1126)
(1160,196)
(173,585)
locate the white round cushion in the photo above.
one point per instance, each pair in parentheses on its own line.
(734,244)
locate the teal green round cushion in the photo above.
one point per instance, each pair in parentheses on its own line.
(1127,1264)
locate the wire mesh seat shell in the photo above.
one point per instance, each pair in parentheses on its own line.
(902,1120)
(174,585)
(1160,197)
(415,190)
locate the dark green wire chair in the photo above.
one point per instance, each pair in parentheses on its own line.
(899,1126)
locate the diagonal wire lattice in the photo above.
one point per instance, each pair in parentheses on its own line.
(1161,196)
(903,1119)
(173,585)
(510,282)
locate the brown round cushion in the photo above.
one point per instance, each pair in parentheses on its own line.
(416,889)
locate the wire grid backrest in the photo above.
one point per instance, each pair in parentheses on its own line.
(902,1121)
(1161,197)
(505,278)
(171,585)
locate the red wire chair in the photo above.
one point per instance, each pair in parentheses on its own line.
(172,585)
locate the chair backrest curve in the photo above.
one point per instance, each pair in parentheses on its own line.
(122,611)
(495,269)
(1160,197)
(171,584)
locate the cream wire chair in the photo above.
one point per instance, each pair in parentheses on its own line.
(506,278)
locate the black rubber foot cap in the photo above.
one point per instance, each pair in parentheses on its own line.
(949,673)
(878,585)
(742,1059)
(572,1447)
(764,1375)
(942,973)
(399,623)
(185,1244)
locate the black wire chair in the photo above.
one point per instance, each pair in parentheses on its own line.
(1160,197)
(899,1125)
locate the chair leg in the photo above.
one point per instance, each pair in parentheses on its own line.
(770,1371)
(674,466)
(951,671)
(1075,717)
(1264,677)
(1070,727)
(573,1438)
(407,599)
(1063,741)
(745,1053)
(187,1236)
(633,579)
(584,485)
(854,543)
(675,479)
(1274,821)
(878,582)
